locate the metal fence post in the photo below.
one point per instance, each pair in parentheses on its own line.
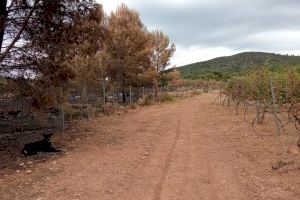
(62,110)
(275,107)
(104,92)
(143,91)
(153,92)
(130,94)
(22,126)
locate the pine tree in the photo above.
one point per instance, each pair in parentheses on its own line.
(127,46)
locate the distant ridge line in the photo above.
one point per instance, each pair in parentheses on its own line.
(224,67)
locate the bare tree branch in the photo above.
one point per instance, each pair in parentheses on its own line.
(17,37)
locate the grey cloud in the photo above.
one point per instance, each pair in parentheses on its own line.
(225,23)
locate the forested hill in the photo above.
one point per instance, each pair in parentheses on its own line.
(224,67)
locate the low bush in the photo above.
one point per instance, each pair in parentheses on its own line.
(133,106)
(146,101)
(166,98)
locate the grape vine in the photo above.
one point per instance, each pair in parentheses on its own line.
(276,93)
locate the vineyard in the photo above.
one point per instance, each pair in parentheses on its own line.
(276,94)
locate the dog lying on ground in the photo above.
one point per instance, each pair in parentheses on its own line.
(43,145)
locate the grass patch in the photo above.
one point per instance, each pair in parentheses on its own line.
(166,98)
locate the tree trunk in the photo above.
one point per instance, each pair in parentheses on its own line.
(155,84)
(103,91)
(263,112)
(130,95)
(237,104)
(123,89)
(3,15)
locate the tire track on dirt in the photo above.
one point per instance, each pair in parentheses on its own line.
(144,156)
(186,150)
(158,189)
(179,182)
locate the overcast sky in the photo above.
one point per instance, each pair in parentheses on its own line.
(205,29)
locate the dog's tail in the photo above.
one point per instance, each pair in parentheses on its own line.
(52,149)
(56,150)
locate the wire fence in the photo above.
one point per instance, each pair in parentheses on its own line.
(21,123)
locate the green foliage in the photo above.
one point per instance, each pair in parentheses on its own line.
(224,68)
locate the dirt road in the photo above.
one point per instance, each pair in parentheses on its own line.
(183,150)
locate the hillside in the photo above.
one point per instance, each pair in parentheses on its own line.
(224,67)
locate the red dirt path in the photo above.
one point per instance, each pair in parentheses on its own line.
(185,150)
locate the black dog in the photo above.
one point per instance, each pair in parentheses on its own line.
(34,148)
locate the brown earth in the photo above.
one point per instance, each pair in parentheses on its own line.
(188,149)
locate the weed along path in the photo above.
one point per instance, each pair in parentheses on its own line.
(188,149)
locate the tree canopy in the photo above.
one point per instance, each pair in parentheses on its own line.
(56,42)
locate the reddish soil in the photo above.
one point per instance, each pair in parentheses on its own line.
(188,149)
